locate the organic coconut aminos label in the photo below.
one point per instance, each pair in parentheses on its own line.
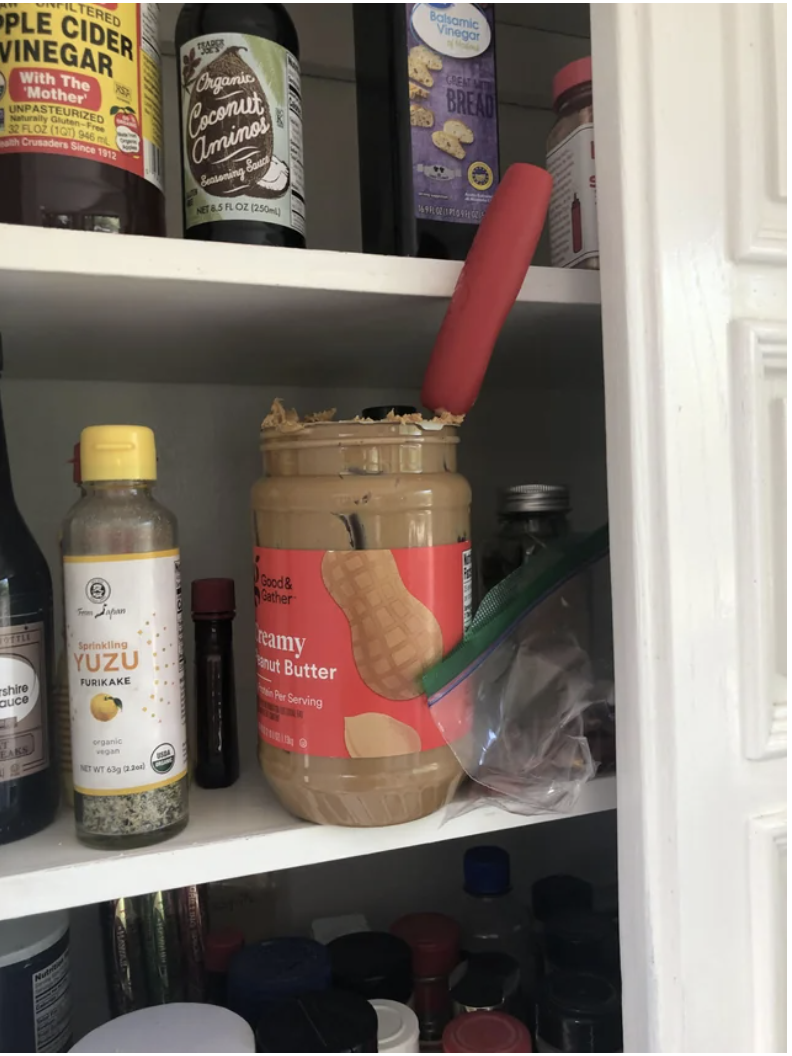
(241,131)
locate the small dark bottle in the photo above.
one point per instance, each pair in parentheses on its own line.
(213,610)
(240,111)
(427,125)
(28,775)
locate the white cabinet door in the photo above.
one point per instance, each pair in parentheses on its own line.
(690,104)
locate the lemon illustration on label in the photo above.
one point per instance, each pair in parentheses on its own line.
(104,707)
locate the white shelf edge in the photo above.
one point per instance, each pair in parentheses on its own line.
(95,876)
(74,254)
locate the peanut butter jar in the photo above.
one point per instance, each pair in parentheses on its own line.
(362,571)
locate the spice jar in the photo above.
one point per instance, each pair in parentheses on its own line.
(330,1021)
(578,1013)
(486,1032)
(435,940)
(273,971)
(572,220)
(362,576)
(123,614)
(373,964)
(531,518)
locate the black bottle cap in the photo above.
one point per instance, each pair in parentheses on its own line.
(372,964)
(557,894)
(378,414)
(328,1021)
(578,1013)
(578,941)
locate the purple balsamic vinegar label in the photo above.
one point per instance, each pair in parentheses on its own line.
(453,110)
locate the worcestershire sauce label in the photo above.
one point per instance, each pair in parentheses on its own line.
(83,81)
(23,701)
(241,131)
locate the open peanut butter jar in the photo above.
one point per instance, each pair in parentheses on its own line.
(362,582)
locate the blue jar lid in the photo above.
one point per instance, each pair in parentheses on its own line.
(487,871)
(274,970)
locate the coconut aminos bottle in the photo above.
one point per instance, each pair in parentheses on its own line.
(240,108)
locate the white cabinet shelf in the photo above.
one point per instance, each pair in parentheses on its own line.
(78,305)
(233,832)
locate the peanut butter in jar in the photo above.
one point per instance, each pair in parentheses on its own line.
(362,582)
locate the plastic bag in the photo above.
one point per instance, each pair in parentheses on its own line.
(511,699)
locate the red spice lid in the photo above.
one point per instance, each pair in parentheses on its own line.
(434,940)
(75,464)
(213,597)
(220,947)
(570,76)
(486,1032)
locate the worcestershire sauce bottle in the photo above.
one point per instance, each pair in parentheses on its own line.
(28,779)
(240,108)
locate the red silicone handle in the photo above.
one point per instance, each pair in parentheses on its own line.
(486,289)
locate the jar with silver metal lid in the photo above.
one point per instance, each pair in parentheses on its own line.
(532,518)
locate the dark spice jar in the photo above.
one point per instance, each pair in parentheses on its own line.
(240,107)
(81,117)
(531,518)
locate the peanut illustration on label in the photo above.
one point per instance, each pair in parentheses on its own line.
(395,638)
(373,735)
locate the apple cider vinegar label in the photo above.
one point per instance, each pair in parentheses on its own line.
(126,672)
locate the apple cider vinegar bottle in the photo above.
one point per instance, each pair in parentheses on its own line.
(123,612)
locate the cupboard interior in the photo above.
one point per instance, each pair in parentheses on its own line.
(533,42)
(547,428)
(383,887)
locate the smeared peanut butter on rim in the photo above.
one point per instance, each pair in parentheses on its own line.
(288,420)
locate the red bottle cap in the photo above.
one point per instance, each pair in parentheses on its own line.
(213,597)
(220,947)
(486,1032)
(434,940)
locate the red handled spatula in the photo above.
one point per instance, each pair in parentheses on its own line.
(487,288)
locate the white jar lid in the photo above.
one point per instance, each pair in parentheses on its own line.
(172,1028)
(397,1027)
(22,939)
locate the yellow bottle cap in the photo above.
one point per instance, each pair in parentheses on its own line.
(118,452)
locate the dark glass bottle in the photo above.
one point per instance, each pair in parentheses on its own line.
(427,129)
(28,776)
(259,199)
(89,164)
(213,608)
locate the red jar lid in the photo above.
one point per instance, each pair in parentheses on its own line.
(486,1032)
(220,947)
(434,940)
(213,597)
(570,76)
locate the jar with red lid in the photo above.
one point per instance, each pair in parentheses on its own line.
(486,1032)
(434,940)
(572,220)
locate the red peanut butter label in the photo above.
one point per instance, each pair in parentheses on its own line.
(342,639)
